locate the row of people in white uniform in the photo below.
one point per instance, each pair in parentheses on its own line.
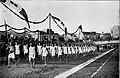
(45,50)
(59,50)
(14,53)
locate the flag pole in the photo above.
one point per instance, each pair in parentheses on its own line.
(50,26)
(6,30)
(5,25)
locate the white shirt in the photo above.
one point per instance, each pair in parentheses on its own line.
(76,49)
(25,49)
(11,48)
(73,51)
(44,51)
(17,51)
(39,49)
(53,51)
(56,49)
(65,50)
(31,51)
(59,51)
(69,50)
(80,50)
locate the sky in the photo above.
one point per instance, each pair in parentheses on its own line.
(97,16)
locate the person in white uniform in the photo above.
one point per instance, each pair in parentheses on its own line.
(56,51)
(50,51)
(25,48)
(53,51)
(69,51)
(83,49)
(32,55)
(65,52)
(73,51)
(17,53)
(44,53)
(11,54)
(88,49)
(39,50)
(76,50)
(80,49)
(60,52)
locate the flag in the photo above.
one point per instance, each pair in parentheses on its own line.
(18,8)
(62,23)
(81,35)
(80,27)
(58,20)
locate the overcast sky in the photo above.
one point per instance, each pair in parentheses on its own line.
(97,16)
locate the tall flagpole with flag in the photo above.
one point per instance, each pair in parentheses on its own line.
(81,36)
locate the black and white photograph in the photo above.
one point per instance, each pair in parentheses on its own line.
(59,38)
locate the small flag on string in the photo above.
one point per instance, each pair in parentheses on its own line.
(18,8)
(58,20)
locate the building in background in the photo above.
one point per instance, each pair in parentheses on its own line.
(92,36)
(105,36)
(115,32)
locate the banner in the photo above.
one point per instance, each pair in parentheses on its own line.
(18,8)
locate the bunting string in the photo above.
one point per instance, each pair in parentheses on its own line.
(31,31)
(15,28)
(75,31)
(18,32)
(12,28)
(2,25)
(63,29)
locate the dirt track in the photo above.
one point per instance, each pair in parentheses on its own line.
(53,68)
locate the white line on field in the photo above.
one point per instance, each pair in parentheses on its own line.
(101,66)
(75,69)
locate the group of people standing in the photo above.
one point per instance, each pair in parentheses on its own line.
(52,51)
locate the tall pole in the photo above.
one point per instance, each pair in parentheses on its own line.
(50,26)
(5,26)
(24,35)
(6,31)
